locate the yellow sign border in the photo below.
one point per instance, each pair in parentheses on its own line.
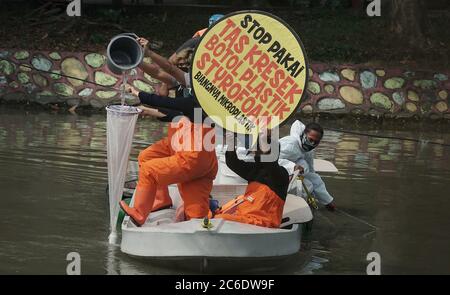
(282,22)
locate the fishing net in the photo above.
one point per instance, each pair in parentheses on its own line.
(121,120)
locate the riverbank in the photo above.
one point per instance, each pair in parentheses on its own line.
(82,80)
(357,69)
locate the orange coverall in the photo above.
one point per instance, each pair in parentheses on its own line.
(170,161)
(263,201)
(260,206)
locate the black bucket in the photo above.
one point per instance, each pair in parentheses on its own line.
(124,53)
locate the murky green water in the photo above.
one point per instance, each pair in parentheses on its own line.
(53,176)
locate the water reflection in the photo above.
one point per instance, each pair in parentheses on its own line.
(53,174)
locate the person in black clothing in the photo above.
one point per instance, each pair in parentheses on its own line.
(186,106)
(263,201)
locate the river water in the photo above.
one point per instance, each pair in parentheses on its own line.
(53,176)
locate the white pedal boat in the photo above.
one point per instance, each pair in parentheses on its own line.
(163,237)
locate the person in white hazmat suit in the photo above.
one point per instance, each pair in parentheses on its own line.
(298,147)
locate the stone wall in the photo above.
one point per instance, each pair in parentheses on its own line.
(387,92)
(332,89)
(19,82)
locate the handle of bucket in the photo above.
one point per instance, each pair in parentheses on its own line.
(151,44)
(133,35)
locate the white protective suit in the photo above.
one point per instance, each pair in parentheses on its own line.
(290,149)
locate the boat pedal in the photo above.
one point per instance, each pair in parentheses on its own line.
(206,223)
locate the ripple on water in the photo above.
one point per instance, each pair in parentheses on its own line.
(53,172)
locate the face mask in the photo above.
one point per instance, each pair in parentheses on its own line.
(306,144)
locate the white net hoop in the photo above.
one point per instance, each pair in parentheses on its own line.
(120,124)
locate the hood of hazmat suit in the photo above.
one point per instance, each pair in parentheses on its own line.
(291,148)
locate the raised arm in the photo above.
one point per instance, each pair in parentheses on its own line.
(163,63)
(168,67)
(156,72)
(239,167)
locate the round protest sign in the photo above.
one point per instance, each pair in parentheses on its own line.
(249,70)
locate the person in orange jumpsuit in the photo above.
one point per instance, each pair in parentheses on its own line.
(263,201)
(181,158)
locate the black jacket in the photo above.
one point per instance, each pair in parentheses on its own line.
(268,173)
(172,107)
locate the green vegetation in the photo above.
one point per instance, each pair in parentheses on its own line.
(329,34)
